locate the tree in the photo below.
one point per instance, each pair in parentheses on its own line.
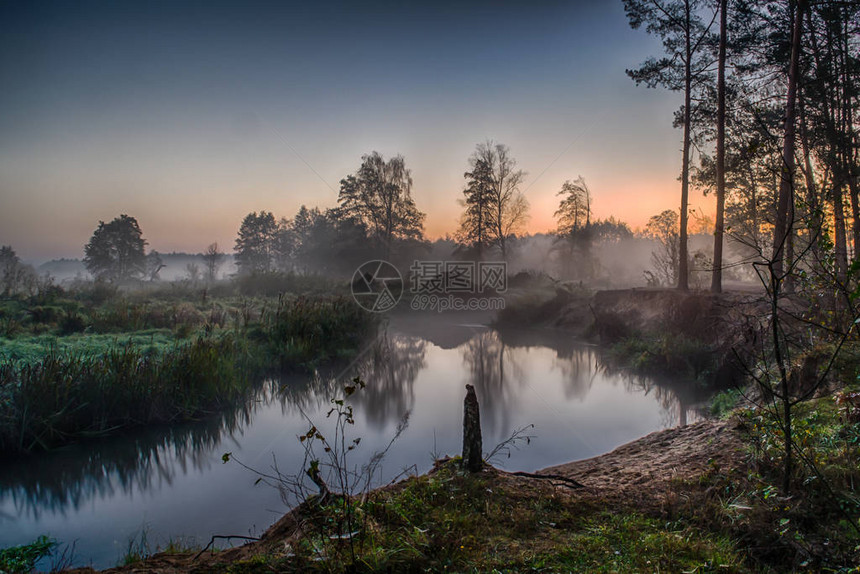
(663,228)
(13,273)
(610,230)
(212,259)
(476,225)
(154,265)
(115,252)
(313,236)
(255,243)
(510,210)
(783,226)
(684,67)
(574,210)
(574,225)
(379,196)
(284,245)
(717,274)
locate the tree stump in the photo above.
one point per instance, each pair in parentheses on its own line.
(472,447)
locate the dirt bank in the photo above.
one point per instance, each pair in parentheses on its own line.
(643,472)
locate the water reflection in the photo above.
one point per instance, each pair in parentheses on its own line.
(390,370)
(66,479)
(583,404)
(389,366)
(494,369)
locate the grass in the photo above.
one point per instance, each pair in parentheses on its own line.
(815,527)
(32,348)
(68,396)
(447,521)
(131,360)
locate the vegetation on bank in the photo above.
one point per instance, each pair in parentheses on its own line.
(24,558)
(729,517)
(134,360)
(493,521)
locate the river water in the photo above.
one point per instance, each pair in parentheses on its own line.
(171,484)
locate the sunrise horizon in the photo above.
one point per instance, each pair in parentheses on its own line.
(188,118)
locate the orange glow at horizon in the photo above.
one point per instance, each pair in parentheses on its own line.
(633,202)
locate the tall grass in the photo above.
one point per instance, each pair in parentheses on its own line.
(67,395)
(305,331)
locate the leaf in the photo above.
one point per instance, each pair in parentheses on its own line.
(225,458)
(258,481)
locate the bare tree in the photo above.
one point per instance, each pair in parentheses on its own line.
(510,209)
(213,258)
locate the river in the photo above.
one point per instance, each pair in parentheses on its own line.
(172,484)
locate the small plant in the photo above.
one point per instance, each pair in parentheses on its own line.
(725,401)
(504,448)
(137,548)
(24,558)
(334,501)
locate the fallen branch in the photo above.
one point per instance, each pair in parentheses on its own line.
(563,479)
(227,537)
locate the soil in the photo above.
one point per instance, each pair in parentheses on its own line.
(641,473)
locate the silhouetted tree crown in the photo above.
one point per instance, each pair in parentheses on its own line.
(379,197)
(474,237)
(115,252)
(255,245)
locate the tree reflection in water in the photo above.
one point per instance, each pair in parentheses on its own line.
(65,479)
(389,366)
(492,365)
(501,366)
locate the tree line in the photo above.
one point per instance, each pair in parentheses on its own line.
(770,110)
(377,218)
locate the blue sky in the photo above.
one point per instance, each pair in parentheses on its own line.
(188,115)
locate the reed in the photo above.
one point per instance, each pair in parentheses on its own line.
(302,332)
(68,394)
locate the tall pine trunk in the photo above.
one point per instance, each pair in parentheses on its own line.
(786,187)
(717,275)
(683,259)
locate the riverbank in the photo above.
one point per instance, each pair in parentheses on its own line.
(698,498)
(450,521)
(689,337)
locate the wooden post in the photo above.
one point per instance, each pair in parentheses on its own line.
(472,447)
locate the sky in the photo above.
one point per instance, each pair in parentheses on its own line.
(189,115)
